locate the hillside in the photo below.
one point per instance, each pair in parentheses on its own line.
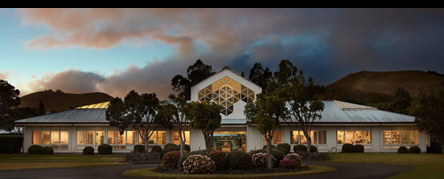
(59,101)
(370,87)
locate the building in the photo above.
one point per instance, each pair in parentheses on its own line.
(342,122)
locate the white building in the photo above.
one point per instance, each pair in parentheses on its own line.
(342,122)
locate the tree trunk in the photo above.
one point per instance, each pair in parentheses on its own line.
(269,155)
(307,136)
(182,144)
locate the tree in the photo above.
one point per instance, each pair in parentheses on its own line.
(300,93)
(42,110)
(260,76)
(195,74)
(9,102)
(136,111)
(429,116)
(172,114)
(206,117)
(266,113)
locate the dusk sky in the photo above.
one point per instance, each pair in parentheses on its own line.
(117,50)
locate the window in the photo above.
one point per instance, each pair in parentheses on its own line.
(55,139)
(161,137)
(396,137)
(415,137)
(100,137)
(90,137)
(36,137)
(276,138)
(131,137)
(387,136)
(317,137)
(45,137)
(176,139)
(406,136)
(81,137)
(353,137)
(112,137)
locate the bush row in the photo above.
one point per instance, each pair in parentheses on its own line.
(303,148)
(350,148)
(413,149)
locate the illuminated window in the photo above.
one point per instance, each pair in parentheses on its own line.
(317,137)
(90,138)
(405,135)
(36,137)
(358,137)
(112,137)
(131,137)
(276,138)
(367,137)
(176,139)
(226,92)
(81,137)
(45,137)
(340,137)
(55,139)
(353,137)
(161,137)
(415,137)
(387,136)
(100,136)
(400,136)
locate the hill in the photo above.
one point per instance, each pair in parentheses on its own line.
(59,101)
(373,87)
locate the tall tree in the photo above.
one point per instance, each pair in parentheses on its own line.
(429,116)
(172,115)
(260,76)
(42,110)
(136,111)
(266,112)
(9,102)
(206,117)
(195,74)
(300,93)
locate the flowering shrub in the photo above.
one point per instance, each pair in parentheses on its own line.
(219,157)
(170,159)
(198,164)
(291,161)
(238,160)
(259,160)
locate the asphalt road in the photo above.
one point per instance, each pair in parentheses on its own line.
(345,170)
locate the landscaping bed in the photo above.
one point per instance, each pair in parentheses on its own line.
(236,172)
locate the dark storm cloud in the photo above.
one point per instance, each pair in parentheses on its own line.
(326,43)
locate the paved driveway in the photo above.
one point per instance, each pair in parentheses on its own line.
(345,170)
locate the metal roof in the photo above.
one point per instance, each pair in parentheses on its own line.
(334,112)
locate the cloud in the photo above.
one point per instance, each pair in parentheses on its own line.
(73,81)
(326,43)
(4,75)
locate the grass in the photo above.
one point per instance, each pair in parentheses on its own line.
(425,165)
(149,173)
(28,161)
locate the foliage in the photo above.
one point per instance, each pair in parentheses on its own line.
(359,148)
(429,116)
(285,147)
(288,164)
(199,164)
(265,146)
(195,74)
(88,150)
(259,160)
(186,155)
(186,147)
(143,156)
(276,153)
(313,148)
(414,150)
(139,148)
(105,149)
(206,117)
(172,113)
(170,159)
(293,156)
(403,150)
(9,102)
(35,149)
(42,109)
(299,147)
(169,145)
(136,111)
(156,149)
(238,160)
(11,143)
(348,148)
(48,150)
(220,158)
(260,76)
(169,149)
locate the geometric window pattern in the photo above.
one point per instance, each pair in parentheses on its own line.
(226,92)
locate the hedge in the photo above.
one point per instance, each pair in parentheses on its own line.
(403,150)
(11,143)
(105,149)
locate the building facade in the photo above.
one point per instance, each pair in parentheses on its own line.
(341,123)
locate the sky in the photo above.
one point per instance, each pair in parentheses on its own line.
(118,50)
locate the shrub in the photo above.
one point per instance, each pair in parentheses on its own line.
(199,164)
(35,149)
(238,160)
(88,150)
(359,148)
(170,159)
(285,147)
(139,148)
(278,154)
(156,149)
(414,149)
(265,147)
(169,145)
(403,150)
(169,149)
(299,147)
(348,148)
(313,148)
(259,160)
(105,149)
(187,147)
(296,161)
(186,155)
(47,150)
(220,158)
(11,143)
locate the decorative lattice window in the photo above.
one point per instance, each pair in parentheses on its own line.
(226,92)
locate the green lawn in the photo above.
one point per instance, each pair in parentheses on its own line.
(426,165)
(27,161)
